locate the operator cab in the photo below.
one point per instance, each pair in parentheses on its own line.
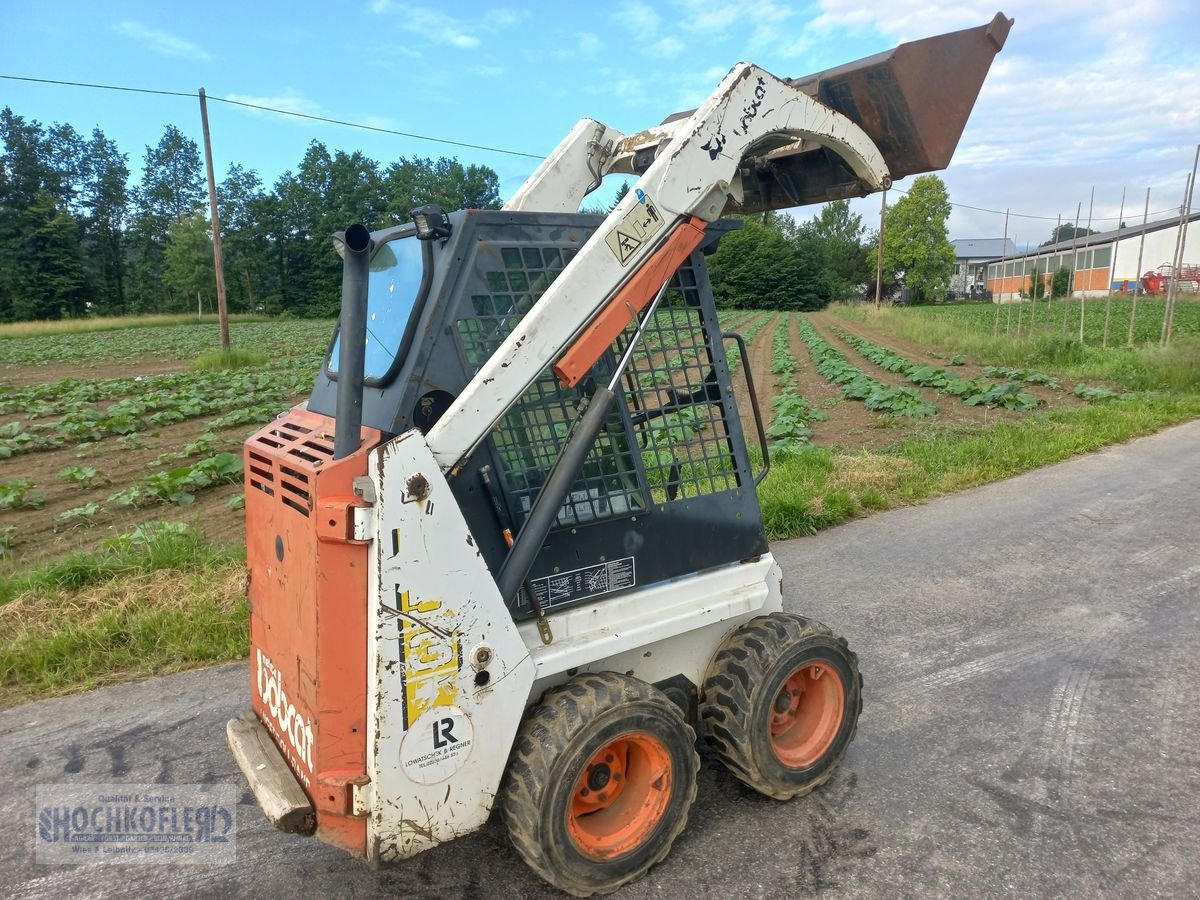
(667,488)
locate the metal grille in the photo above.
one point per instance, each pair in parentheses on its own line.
(675,400)
(532,433)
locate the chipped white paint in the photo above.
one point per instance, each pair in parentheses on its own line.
(438,740)
(437,743)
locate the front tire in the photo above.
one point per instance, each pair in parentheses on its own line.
(600,782)
(781,704)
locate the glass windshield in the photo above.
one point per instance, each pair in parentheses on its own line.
(392,287)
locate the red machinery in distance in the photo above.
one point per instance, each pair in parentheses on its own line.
(1157,281)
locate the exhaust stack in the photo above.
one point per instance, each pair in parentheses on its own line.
(356,247)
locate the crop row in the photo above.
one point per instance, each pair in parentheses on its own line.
(900,401)
(750,328)
(278,339)
(973,392)
(225,392)
(791,428)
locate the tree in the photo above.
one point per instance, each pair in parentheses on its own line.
(759,266)
(1068,232)
(188,263)
(915,243)
(172,188)
(105,200)
(1061,283)
(412,183)
(42,274)
(621,192)
(245,247)
(840,235)
(1037,284)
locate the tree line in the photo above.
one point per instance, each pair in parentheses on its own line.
(775,263)
(77,237)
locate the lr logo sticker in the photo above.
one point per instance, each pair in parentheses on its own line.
(437,745)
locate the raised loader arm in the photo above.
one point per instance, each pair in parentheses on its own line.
(758,142)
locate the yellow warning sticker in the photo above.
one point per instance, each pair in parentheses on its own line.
(635,228)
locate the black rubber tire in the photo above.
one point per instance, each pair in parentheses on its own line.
(741,687)
(557,738)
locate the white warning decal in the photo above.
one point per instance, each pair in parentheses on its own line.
(437,745)
(635,228)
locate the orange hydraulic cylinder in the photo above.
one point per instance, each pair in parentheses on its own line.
(628,301)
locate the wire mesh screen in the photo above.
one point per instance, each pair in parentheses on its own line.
(530,436)
(675,400)
(667,442)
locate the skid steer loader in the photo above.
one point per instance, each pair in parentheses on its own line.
(510,553)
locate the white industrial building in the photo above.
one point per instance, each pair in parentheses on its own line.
(1101,262)
(971,256)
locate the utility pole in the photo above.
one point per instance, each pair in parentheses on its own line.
(1088,230)
(1137,280)
(1071,274)
(879,253)
(218,265)
(1112,268)
(1183,230)
(997,297)
(1174,277)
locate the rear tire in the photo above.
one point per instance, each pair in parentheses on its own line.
(781,704)
(600,782)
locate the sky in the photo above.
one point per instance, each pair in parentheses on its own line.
(1101,94)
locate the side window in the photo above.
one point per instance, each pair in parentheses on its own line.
(675,401)
(530,436)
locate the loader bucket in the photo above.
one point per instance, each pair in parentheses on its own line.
(912,101)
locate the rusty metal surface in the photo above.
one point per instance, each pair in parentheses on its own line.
(912,101)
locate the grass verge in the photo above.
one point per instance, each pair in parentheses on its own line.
(110,323)
(1139,368)
(159,599)
(220,360)
(817,488)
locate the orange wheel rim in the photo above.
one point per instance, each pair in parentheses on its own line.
(620,796)
(806,714)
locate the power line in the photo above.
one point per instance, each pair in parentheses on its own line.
(282,112)
(436,140)
(1001,212)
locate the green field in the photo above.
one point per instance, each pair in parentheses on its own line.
(121,533)
(1048,317)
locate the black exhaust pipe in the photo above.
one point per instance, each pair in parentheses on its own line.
(356,261)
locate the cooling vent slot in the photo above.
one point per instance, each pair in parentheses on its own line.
(261,472)
(287,441)
(295,494)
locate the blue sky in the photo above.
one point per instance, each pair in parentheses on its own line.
(1086,92)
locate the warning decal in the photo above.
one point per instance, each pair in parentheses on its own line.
(635,227)
(590,581)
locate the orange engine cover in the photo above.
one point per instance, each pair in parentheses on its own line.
(308,611)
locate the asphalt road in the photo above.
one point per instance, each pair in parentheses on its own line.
(1031,724)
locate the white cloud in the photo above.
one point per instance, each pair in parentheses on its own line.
(289,101)
(668,47)
(489,71)
(161,42)
(638,17)
(438,28)
(586,45)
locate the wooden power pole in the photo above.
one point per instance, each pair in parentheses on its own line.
(879,254)
(222,309)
